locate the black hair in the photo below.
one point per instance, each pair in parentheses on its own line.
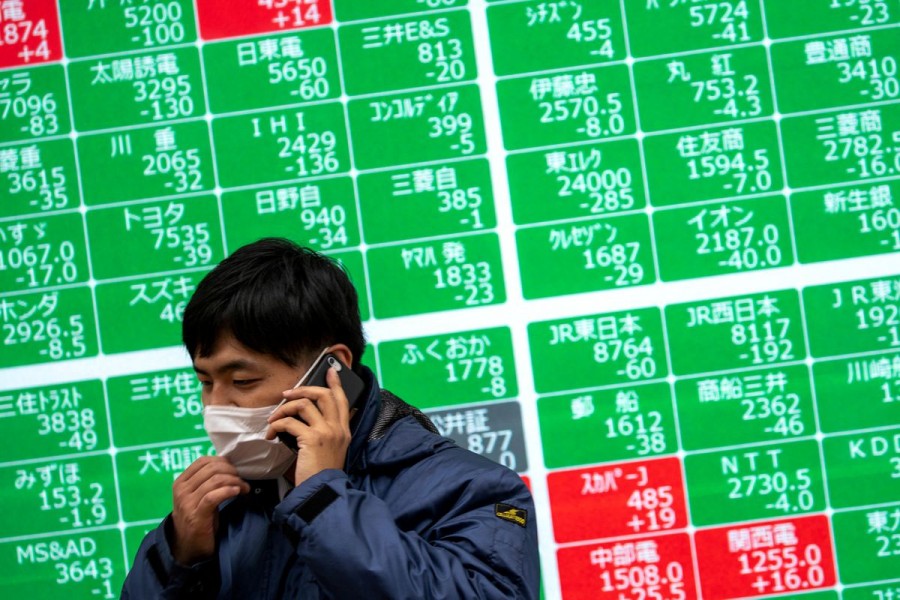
(276,298)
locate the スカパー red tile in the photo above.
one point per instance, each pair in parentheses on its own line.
(618,499)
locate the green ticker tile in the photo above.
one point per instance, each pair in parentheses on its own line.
(145,313)
(145,477)
(534,36)
(576,181)
(145,163)
(271,71)
(63,495)
(869,380)
(744,331)
(844,70)
(52,420)
(416,127)
(703,89)
(847,221)
(608,425)
(281,145)
(856,316)
(585,256)
(125,26)
(863,468)
(155,407)
(427,201)
(136,89)
(597,350)
(33,103)
(755,482)
(842,146)
(865,543)
(712,163)
(320,214)
(719,238)
(48,326)
(40,176)
(665,27)
(81,565)
(44,251)
(417,51)
(456,272)
(155,237)
(745,407)
(587,104)
(352,10)
(463,367)
(789,19)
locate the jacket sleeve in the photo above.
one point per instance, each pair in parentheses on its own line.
(350,541)
(156,574)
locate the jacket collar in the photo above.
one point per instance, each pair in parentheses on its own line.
(409,441)
(405,443)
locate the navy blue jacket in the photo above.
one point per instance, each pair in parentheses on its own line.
(411,516)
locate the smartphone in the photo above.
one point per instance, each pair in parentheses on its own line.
(351,382)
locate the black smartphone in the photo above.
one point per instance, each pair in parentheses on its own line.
(351,382)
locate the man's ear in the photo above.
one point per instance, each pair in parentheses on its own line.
(343,353)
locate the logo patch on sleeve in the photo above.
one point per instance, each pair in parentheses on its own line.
(510,513)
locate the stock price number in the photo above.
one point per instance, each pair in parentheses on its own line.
(781,570)
(638,355)
(767,342)
(474,279)
(791,493)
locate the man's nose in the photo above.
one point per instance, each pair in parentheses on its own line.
(215,395)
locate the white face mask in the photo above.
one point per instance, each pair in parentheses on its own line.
(239,434)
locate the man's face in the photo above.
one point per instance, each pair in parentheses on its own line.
(234,375)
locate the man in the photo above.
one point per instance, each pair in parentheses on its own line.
(374,504)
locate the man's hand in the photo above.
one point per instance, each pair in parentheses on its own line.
(196,495)
(323,435)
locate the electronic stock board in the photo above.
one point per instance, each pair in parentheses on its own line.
(644,252)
